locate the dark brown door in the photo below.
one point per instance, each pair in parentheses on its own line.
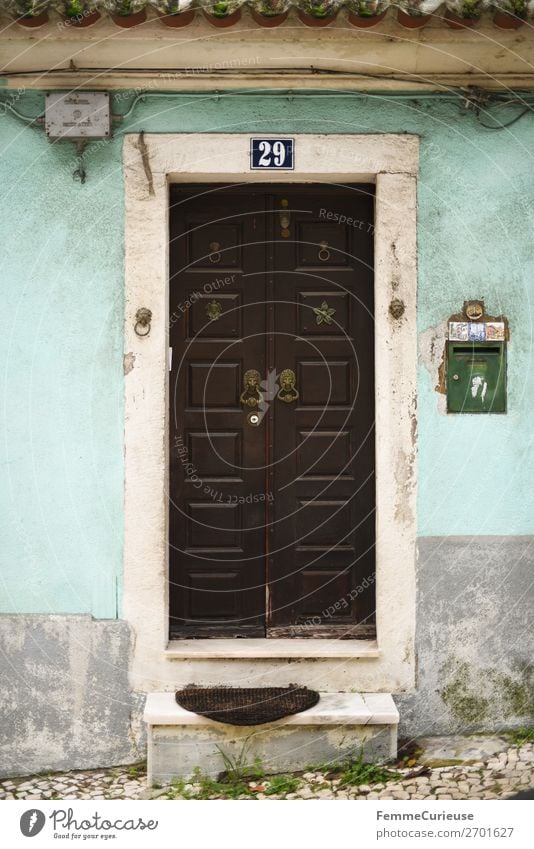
(271,526)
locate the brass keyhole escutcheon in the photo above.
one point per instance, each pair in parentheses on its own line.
(251,395)
(288,392)
(215,255)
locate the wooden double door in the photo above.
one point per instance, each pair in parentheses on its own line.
(271,484)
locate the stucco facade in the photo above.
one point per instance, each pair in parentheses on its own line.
(66,647)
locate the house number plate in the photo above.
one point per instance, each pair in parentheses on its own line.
(272,154)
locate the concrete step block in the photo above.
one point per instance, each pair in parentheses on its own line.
(341,726)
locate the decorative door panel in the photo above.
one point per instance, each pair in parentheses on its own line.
(216,460)
(216,316)
(323,309)
(321,563)
(271,523)
(214,242)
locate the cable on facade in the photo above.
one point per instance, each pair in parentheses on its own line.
(478,100)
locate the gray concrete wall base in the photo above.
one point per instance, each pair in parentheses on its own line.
(66,702)
(175,752)
(474,637)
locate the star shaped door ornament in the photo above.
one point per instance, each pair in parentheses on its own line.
(324,313)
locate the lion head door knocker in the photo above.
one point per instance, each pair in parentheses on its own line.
(215,252)
(213,310)
(396,308)
(251,395)
(143,317)
(288,392)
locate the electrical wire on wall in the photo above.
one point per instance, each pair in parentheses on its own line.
(482,103)
(476,99)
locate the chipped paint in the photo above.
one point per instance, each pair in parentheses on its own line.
(129,362)
(432,355)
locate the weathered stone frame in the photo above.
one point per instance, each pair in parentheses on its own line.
(150,165)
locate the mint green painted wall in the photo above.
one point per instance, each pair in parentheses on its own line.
(61,346)
(61,356)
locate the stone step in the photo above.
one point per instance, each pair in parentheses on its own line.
(341,726)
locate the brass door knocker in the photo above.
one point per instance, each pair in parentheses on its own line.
(213,310)
(288,392)
(324,253)
(215,255)
(251,395)
(143,317)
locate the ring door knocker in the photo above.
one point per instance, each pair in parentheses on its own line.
(251,395)
(143,317)
(288,391)
(324,253)
(215,255)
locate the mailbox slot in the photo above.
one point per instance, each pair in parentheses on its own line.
(476,377)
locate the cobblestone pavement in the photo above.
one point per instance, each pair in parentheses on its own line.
(498,776)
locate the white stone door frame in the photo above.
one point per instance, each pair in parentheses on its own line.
(150,165)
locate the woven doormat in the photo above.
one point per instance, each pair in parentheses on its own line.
(246,706)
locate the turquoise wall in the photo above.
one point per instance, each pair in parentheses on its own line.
(61,358)
(61,346)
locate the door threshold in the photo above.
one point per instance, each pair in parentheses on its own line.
(260,648)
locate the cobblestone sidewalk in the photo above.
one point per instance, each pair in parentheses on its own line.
(498,776)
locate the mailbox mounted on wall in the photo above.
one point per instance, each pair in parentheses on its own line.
(476,361)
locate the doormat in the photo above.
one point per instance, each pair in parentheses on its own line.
(246,706)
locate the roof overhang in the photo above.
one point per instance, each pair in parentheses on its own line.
(199,57)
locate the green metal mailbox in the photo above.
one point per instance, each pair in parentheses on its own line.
(476,377)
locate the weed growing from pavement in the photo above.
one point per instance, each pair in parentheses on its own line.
(282,784)
(248,782)
(237,769)
(133,771)
(359,772)
(520,736)
(356,772)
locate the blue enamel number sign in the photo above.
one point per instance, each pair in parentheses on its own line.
(272,154)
